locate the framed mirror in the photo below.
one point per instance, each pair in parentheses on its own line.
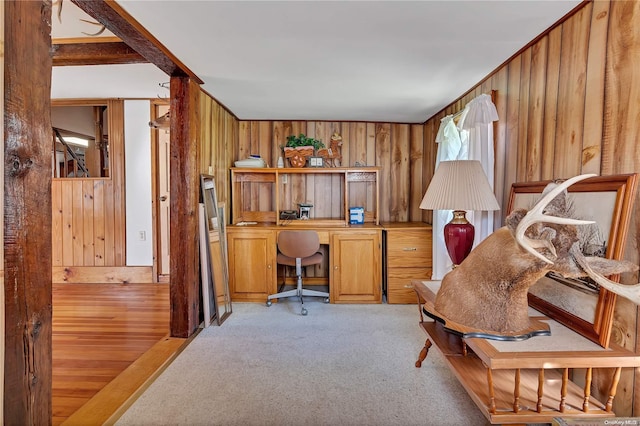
(214,256)
(582,305)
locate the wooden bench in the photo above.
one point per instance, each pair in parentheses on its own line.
(528,381)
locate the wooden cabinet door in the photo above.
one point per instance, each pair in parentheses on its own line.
(252,264)
(355,267)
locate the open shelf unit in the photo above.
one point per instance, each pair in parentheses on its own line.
(260,194)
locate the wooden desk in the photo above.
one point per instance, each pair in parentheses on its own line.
(530,381)
(354,270)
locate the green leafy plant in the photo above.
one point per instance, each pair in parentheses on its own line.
(302,140)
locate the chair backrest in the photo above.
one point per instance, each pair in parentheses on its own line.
(298,243)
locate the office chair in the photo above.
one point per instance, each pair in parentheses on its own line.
(298,248)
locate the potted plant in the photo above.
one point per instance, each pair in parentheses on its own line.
(298,148)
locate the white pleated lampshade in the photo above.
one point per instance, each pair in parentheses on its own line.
(459,185)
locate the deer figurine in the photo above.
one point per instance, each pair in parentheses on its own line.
(162,122)
(332,155)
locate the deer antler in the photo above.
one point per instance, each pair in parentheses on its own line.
(631,292)
(536,215)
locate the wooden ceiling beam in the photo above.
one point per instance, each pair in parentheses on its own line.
(95,54)
(124,26)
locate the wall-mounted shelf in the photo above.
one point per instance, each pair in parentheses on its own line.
(260,194)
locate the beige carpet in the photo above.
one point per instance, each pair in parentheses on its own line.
(339,365)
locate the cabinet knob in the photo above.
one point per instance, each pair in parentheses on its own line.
(335,268)
(409,249)
(269,266)
(408,286)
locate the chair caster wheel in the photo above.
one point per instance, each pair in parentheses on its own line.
(269,302)
(326,300)
(304,311)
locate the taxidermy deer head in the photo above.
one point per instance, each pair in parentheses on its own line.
(488,290)
(162,122)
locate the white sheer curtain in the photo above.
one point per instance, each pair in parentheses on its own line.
(449,147)
(471,139)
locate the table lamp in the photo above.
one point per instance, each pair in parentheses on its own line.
(459,185)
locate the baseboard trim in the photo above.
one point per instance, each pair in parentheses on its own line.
(102,274)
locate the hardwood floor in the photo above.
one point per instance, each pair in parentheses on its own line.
(99,330)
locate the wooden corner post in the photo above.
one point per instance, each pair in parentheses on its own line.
(184,189)
(27,212)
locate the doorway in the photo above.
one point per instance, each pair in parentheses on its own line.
(160,152)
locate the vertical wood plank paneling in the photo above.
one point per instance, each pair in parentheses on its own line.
(399,173)
(84,216)
(347,144)
(383,159)
(109,225)
(208,144)
(499,82)
(536,108)
(370,144)
(621,130)
(621,155)
(513,108)
(67,222)
(279,139)
(310,181)
(358,146)
(337,208)
(244,140)
(115,110)
(551,103)
(265,145)
(415,171)
(370,160)
(523,115)
(428,161)
(77,222)
(573,71)
(88,248)
(323,190)
(255,202)
(594,91)
(57,246)
(98,223)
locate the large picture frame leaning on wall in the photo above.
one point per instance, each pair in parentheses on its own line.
(582,305)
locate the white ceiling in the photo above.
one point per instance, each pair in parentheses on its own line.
(391,61)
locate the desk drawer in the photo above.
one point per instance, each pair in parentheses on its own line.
(399,288)
(409,248)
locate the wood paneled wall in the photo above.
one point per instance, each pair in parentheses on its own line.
(569,104)
(219,135)
(88,227)
(397,148)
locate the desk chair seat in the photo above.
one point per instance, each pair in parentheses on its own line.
(298,248)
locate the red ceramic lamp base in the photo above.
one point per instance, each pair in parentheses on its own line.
(458,237)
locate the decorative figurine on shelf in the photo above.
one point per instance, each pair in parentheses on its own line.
(298,148)
(333,154)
